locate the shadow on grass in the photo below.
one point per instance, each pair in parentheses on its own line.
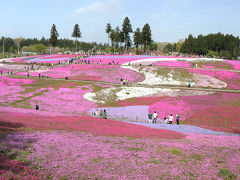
(9,126)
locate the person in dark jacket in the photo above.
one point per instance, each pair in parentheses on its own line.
(150,117)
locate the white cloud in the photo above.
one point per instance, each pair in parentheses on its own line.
(98,7)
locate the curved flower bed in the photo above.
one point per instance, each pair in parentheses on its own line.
(95,126)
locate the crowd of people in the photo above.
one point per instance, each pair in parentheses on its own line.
(124,81)
(152,118)
(101,114)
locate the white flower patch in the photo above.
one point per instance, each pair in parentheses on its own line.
(131,92)
(125,93)
(172,59)
(130,67)
(152,78)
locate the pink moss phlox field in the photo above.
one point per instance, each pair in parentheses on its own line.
(95,126)
(13,169)
(8,81)
(20,59)
(187,106)
(9,87)
(185,64)
(105,73)
(235,64)
(106,59)
(88,156)
(46,58)
(64,100)
(231,78)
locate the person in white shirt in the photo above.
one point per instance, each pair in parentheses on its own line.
(170,119)
(155,116)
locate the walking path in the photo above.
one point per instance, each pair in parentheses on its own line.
(184,128)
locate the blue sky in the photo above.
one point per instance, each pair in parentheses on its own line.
(170,20)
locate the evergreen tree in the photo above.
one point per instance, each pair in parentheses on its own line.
(126,29)
(53,37)
(146,36)
(108,30)
(137,38)
(76,33)
(113,38)
(117,36)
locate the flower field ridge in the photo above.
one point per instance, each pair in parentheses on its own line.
(96,126)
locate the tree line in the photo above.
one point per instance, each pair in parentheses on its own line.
(212,45)
(121,39)
(10,45)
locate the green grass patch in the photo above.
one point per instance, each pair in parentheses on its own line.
(197,157)
(163,71)
(154,161)
(47,83)
(85,88)
(136,149)
(176,151)
(177,73)
(24,102)
(226,174)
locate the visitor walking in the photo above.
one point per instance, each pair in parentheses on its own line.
(39,75)
(37,107)
(155,116)
(104,114)
(170,119)
(165,120)
(96,113)
(150,117)
(189,84)
(121,80)
(101,114)
(178,117)
(126,82)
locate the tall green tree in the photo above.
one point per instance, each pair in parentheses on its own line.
(137,38)
(53,36)
(126,29)
(113,38)
(117,36)
(108,30)
(146,36)
(76,33)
